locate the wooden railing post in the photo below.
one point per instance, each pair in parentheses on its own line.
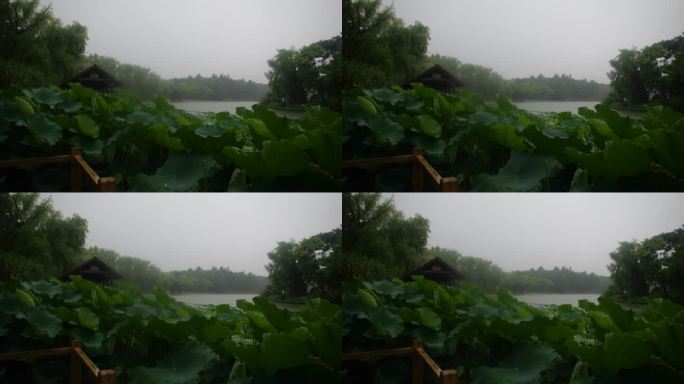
(107,377)
(74,171)
(417,367)
(107,184)
(75,363)
(417,171)
(449,184)
(450,376)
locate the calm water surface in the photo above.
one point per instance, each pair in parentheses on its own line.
(200,106)
(566,106)
(213,298)
(557,298)
(212,106)
(554,106)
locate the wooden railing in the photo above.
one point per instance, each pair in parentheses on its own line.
(78,166)
(420,359)
(77,359)
(420,167)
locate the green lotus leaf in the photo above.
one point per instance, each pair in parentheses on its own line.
(45,129)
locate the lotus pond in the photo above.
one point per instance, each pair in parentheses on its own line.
(156,339)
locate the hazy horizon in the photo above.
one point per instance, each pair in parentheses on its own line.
(519,231)
(525,38)
(187,230)
(180,38)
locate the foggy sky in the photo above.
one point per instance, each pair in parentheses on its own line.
(177,38)
(180,231)
(523,231)
(524,38)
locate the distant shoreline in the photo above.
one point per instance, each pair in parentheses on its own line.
(214,100)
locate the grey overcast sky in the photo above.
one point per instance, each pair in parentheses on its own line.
(528,230)
(180,231)
(177,38)
(524,38)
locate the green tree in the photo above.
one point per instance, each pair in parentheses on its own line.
(378,49)
(652,267)
(628,86)
(377,240)
(35,240)
(35,48)
(306,268)
(310,75)
(654,74)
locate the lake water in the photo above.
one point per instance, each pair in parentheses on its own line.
(213,298)
(212,106)
(566,106)
(200,106)
(557,298)
(554,106)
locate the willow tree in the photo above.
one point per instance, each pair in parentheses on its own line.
(35,48)
(36,241)
(378,48)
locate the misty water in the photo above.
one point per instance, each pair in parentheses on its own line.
(554,106)
(213,298)
(201,106)
(556,298)
(545,106)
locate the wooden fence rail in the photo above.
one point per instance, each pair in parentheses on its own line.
(77,360)
(420,167)
(78,166)
(420,359)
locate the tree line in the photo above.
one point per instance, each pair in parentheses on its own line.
(380,50)
(653,267)
(37,50)
(490,276)
(37,242)
(379,242)
(146,84)
(489,84)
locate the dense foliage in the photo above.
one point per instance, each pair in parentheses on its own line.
(489,277)
(378,241)
(307,268)
(156,147)
(310,75)
(498,339)
(378,49)
(498,147)
(652,267)
(653,74)
(157,340)
(35,48)
(36,241)
(489,84)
